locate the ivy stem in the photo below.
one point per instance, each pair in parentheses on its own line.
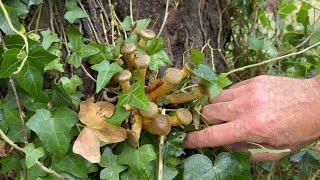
(165,18)
(43,167)
(24,129)
(273,59)
(26,44)
(161,153)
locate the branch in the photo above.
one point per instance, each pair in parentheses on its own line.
(12,144)
(165,17)
(273,59)
(26,44)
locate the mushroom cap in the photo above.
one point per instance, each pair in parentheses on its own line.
(128,48)
(152,111)
(184,116)
(161,125)
(148,34)
(173,75)
(125,75)
(142,61)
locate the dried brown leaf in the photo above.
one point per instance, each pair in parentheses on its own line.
(110,134)
(87,145)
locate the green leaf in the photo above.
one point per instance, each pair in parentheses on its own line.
(59,97)
(174,145)
(303,14)
(112,168)
(119,116)
(286,9)
(138,160)
(79,49)
(155,45)
(107,52)
(48,38)
(169,173)
(4,26)
(158,60)
(72,164)
(9,163)
(54,65)
(196,57)
(13,122)
(35,172)
(142,24)
(136,97)
(53,129)
(126,23)
(10,62)
(256,44)
(105,73)
(70,85)
(19,7)
(74,12)
(198,166)
(128,175)
(32,154)
(205,72)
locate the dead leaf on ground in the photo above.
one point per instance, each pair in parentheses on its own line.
(94,115)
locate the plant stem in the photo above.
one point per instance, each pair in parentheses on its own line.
(165,17)
(273,59)
(161,153)
(26,44)
(12,144)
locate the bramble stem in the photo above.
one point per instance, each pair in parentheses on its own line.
(6,15)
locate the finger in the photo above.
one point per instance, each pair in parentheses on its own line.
(217,135)
(242,83)
(268,156)
(224,96)
(225,111)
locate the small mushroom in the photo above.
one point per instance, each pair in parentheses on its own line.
(172,77)
(160,125)
(128,50)
(146,35)
(186,70)
(142,63)
(124,80)
(151,112)
(179,98)
(181,117)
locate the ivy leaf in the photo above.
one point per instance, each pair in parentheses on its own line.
(126,23)
(196,57)
(118,116)
(169,173)
(217,87)
(112,168)
(54,65)
(10,62)
(13,122)
(48,38)
(205,72)
(286,9)
(59,97)
(35,172)
(79,49)
(142,24)
(19,7)
(74,12)
(198,166)
(255,44)
(303,14)
(158,60)
(138,160)
(174,144)
(136,97)
(71,164)
(54,129)
(32,154)
(9,163)
(70,85)
(128,175)
(105,73)
(107,52)
(155,45)
(4,26)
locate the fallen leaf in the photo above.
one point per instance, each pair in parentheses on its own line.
(111,134)
(87,145)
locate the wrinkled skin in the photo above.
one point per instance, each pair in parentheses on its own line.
(275,112)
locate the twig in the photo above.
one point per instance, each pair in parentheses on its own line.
(314,6)
(131,12)
(165,17)
(87,73)
(104,28)
(12,144)
(112,22)
(26,44)
(273,59)
(23,125)
(161,153)
(51,16)
(220,31)
(38,18)
(33,19)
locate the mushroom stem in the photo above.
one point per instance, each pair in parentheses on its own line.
(134,133)
(128,50)
(146,34)
(154,85)
(142,63)
(151,112)
(186,72)
(125,85)
(160,125)
(171,78)
(124,80)
(180,117)
(180,98)
(143,42)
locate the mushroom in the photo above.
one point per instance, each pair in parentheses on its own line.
(180,98)
(160,125)
(181,117)
(172,77)
(186,70)
(146,35)
(134,133)
(124,80)
(142,63)
(128,52)
(151,112)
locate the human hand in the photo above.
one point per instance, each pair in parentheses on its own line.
(275,112)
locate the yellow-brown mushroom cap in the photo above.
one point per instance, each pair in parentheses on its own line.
(173,75)
(151,112)
(125,75)
(184,116)
(161,125)
(142,61)
(128,48)
(148,34)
